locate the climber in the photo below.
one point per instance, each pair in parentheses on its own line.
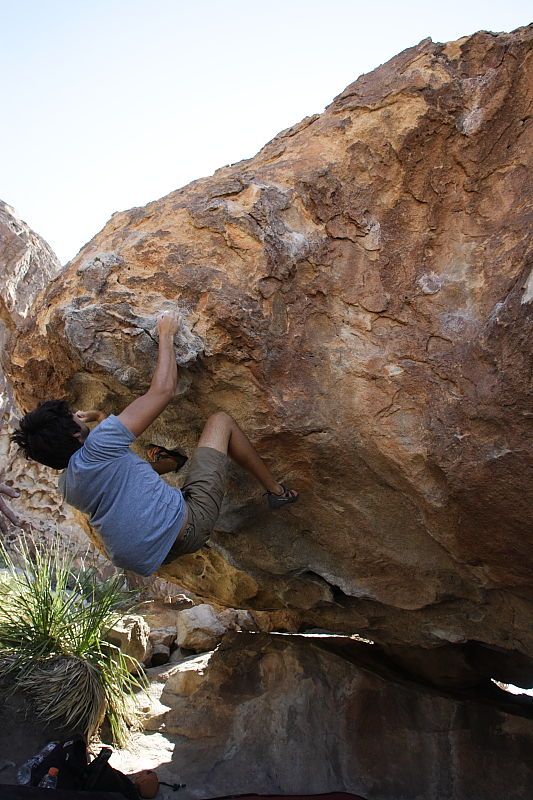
(143,521)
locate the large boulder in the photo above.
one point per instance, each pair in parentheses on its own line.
(358,296)
(199,628)
(279,715)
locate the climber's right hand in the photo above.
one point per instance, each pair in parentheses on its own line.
(167,323)
(145,409)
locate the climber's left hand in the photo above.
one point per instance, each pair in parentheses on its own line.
(90,416)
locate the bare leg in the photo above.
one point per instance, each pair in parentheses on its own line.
(222,433)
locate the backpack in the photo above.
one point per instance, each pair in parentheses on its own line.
(75,772)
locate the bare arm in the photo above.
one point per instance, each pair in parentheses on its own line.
(5,511)
(143,411)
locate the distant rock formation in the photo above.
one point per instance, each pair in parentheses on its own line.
(358,295)
(27,267)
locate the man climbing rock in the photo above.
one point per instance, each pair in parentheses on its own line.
(143,522)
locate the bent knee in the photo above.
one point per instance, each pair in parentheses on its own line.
(217,431)
(221,418)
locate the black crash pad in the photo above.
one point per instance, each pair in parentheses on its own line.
(34,793)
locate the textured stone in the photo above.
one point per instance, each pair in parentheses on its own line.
(185,678)
(131,634)
(160,654)
(358,296)
(236,619)
(27,267)
(163,636)
(199,628)
(293,718)
(159,593)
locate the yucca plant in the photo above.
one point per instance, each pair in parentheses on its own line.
(52,623)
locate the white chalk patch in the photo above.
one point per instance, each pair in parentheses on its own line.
(393,369)
(430,283)
(528,289)
(499,452)
(372,240)
(296,243)
(472,121)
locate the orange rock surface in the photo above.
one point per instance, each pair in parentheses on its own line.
(358,296)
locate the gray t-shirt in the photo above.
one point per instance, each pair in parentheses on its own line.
(135,512)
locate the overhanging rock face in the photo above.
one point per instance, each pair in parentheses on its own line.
(358,296)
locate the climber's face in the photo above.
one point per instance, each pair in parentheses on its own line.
(84,430)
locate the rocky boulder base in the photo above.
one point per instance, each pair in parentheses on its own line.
(160,633)
(280,715)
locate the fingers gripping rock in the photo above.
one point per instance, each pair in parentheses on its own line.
(122,341)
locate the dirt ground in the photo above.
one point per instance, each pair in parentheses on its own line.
(20,738)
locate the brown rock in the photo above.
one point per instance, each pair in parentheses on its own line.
(236,619)
(160,654)
(164,636)
(291,718)
(199,628)
(358,296)
(159,615)
(187,677)
(130,633)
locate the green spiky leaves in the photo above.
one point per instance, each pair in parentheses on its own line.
(53,620)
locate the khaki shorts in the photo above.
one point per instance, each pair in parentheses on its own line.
(203,490)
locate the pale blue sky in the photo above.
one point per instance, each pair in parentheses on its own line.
(108,104)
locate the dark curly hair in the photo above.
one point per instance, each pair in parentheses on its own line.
(47,434)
